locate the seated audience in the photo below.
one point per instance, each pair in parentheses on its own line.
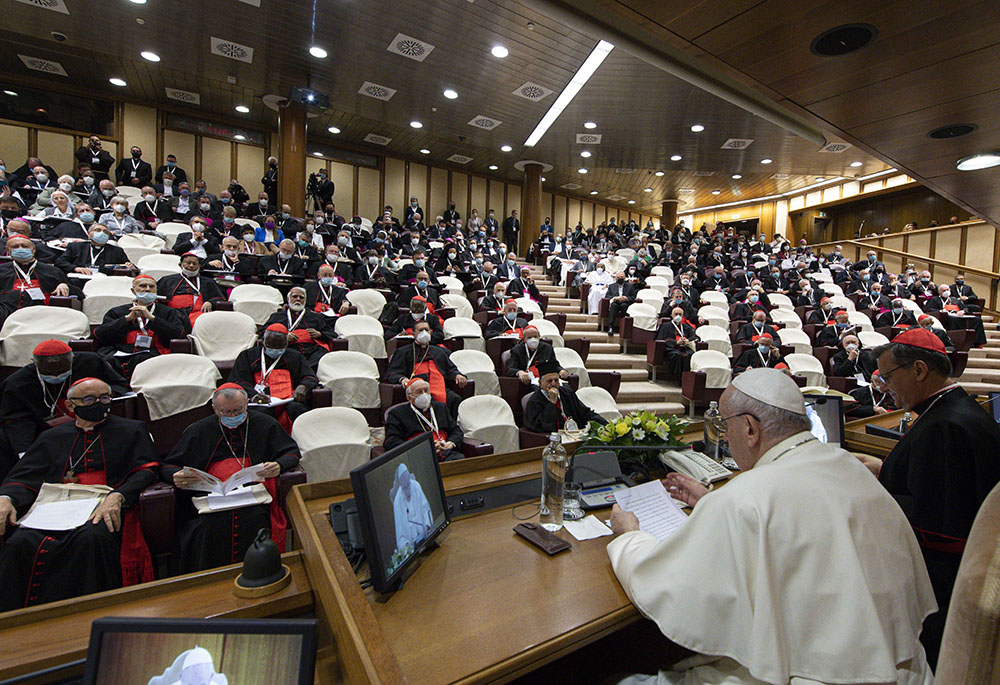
(553,405)
(420,414)
(680,338)
(509,324)
(94,255)
(528,355)
(309,332)
(762,354)
(432,363)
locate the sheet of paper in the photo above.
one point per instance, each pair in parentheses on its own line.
(60,515)
(206,481)
(656,511)
(587,528)
(235,499)
(275,402)
(250,474)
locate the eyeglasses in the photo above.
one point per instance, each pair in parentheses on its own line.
(88,400)
(721,425)
(886,374)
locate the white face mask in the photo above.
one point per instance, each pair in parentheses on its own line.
(678,318)
(532,343)
(422,402)
(423,337)
(65,187)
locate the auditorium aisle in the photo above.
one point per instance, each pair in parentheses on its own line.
(637,391)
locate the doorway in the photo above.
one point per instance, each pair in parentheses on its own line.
(748,227)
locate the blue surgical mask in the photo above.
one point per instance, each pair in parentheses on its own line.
(21,254)
(274,352)
(86,217)
(145,298)
(233,421)
(866,277)
(419,263)
(763,349)
(327,280)
(54,380)
(421,284)
(100,238)
(510,315)
(225,200)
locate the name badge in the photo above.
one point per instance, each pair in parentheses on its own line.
(330,313)
(95,160)
(145,341)
(260,388)
(35,293)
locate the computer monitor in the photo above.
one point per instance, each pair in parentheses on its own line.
(995,405)
(826,414)
(164,651)
(401,508)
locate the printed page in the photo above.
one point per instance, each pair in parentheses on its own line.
(234,500)
(656,511)
(250,474)
(65,515)
(206,481)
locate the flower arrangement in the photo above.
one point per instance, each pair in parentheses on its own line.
(400,555)
(643,430)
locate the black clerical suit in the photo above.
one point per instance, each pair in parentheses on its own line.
(39,566)
(409,292)
(99,160)
(939,473)
(522,359)
(16,293)
(140,339)
(133,172)
(830,335)
(188,295)
(617,308)
(372,276)
(743,311)
(865,364)
(542,416)
(321,298)
(410,359)
(519,287)
(403,325)
(298,324)
(293,266)
(904,319)
(677,357)
(285,374)
(753,359)
(216,539)
(481,281)
(67,229)
(402,423)
(511,231)
(158,210)
(89,255)
(748,331)
(866,398)
(501,326)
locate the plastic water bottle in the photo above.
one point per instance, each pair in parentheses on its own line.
(904,423)
(554,465)
(712,431)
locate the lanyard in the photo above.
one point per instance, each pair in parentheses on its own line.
(327,297)
(531,358)
(135,165)
(432,424)
(512,326)
(871,389)
(293,324)
(227,265)
(283,265)
(265,372)
(242,460)
(25,276)
(93,257)
(142,322)
(196,286)
(51,406)
(427,353)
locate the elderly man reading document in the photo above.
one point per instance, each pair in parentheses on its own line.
(800,570)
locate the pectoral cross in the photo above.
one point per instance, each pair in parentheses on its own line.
(70,477)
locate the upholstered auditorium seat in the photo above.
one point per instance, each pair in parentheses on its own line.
(333,440)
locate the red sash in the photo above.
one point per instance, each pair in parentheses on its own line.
(136,561)
(434,378)
(33,283)
(224,468)
(321,307)
(302,337)
(192,302)
(160,347)
(279,383)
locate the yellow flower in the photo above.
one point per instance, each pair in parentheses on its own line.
(622,428)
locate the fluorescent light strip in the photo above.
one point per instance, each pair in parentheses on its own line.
(580,78)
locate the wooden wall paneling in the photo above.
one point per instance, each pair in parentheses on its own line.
(406,191)
(439,189)
(198,167)
(369,202)
(587,213)
(139,128)
(600,215)
(216,158)
(417,176)
(573,212)
(395,186)
(249,167)
(342,176)
(460,193)
(494,190)
(559,214)
(381,187)
(56,150)
(920,243)
(477,197)
(948,245)
(233,159)
(514,200)
(547,209)
(14,144)
(182,146)
(981,244)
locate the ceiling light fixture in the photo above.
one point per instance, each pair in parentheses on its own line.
(416,124)
(505,148)
(697,128)
(737,177)
(675,158)
(242,109)
(820,178)
(647,190)
(593,192)
(240,136)
(149,56)
(317,52)
(581,170)
(424,151)
(499,51)
(543,179)
(493,167)
(841,40)
(11,93)
(657,173)
(631,202)
(590,124)
(113,81)
(716,192)
(138,2)
(317,154)
(952,131)
(982,160)
(857,164)
(450,94)
(766,160)
(334,130)
(585,154)
(580,78)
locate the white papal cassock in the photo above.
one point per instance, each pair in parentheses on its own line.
(802,570)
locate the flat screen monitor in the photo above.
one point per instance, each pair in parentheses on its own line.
(166,651)
(401,508)
(995,405)
(826,414)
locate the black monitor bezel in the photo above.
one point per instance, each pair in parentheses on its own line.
(366,518)
(246,626)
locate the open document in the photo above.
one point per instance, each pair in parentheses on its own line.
(209,483)
(657,513)
(60,515)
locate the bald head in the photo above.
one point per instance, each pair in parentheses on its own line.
(92,387)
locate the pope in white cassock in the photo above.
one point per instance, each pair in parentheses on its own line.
(410,509)
(802,569)
(599,281)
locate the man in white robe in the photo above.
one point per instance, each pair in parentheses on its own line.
(410,509)
(799,570)
(599,281)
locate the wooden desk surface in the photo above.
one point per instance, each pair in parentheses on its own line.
(487,605)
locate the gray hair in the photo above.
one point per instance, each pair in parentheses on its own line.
(412,385)
(229,393)
(774,421)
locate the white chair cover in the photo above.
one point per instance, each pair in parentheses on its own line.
(831,288)
(133,200)
(459,303)
(403,261)
(716,316)
(549,330)
(247,222)
(529,306)
(644,315)
(664,271)
(570,360)
(600,400)
(659,283)
(808,366)
(651,296)
(614,264)
(796,338)
(716,299)
(128,191)
(477,366)
(172,383)
(913,307)
(435,244)
(787,317)
(138,245)
(467,329)
(489,418)
(821,276)
(368,301)
(452,285)
(861,320)
(872,339)
(221,336)
(170,230)
(716,337)
(626,253)
(329,454)
(256,300)
(353,377)
(842,302)
(363,334)
(27,327)
(101,293)
(159,265)
(781,301)
(716,366)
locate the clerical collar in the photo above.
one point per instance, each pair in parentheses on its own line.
(785,446)
(930,401)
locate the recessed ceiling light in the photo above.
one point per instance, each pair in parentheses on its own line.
(631,202)
(450,94)
(857,164)
(317,154)
(842,40)
(505,148)
(593,192)
(952,131)
(585,154)
(242,109)
(333,129)
(675,158)
(138,2)
(424,151)
(543,179)
(500,51)
(982,160)
(317,52)
(657,173)
(11,93)
(766,160)
(416,124)
(582,170)
(647,190)
(149,56)
(240,136)
(820,178)
(697,128)
(737,177)
(493,167)
(113,81)
(590,124)
(716,192)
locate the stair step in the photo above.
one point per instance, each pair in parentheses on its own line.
(594,336)
(638,391)
(983,363)
(577,316)
(658,408)
(562,309)
(628,375)
(981,375)
(604,347)
(615,361)
(581,326)
(987,352)
(974,388)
